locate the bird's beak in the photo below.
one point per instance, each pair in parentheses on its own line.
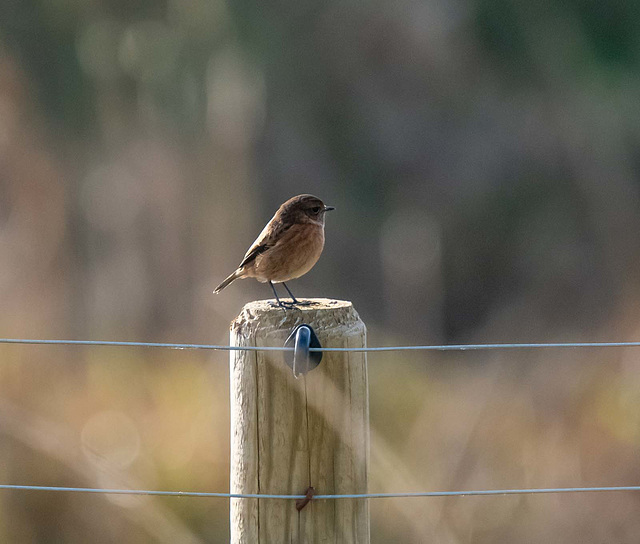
(328,208)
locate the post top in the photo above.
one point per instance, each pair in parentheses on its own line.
(307,305)
(321,313)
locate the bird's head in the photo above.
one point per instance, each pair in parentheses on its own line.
(304,209)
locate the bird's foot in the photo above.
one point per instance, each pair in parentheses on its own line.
(303,302)
(291,304)
(284,305)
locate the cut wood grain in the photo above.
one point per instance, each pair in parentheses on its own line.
(288,434)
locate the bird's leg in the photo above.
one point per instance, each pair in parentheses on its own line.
(282,305)
(290,293)
(275,293)
(295,301)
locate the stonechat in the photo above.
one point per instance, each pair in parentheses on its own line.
(288,246)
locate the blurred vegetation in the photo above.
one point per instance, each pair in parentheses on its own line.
(483,158)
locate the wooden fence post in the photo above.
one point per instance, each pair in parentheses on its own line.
(288,434)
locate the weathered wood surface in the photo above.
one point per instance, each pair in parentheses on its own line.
(283,440)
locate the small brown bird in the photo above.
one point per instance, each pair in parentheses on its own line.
(288,246)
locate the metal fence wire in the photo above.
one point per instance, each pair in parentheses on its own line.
(443,347)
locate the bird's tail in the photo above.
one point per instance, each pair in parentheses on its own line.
(234,276)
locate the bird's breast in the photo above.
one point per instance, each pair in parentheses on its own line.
(293,255)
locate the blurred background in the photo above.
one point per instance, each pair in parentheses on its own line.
(483,157)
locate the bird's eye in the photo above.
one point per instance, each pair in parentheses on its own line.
(315,209)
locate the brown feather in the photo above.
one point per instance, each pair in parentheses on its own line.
(231,277)
(288,246)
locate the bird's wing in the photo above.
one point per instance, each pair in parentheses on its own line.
(268,238)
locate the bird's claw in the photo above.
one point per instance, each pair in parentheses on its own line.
(284,305)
